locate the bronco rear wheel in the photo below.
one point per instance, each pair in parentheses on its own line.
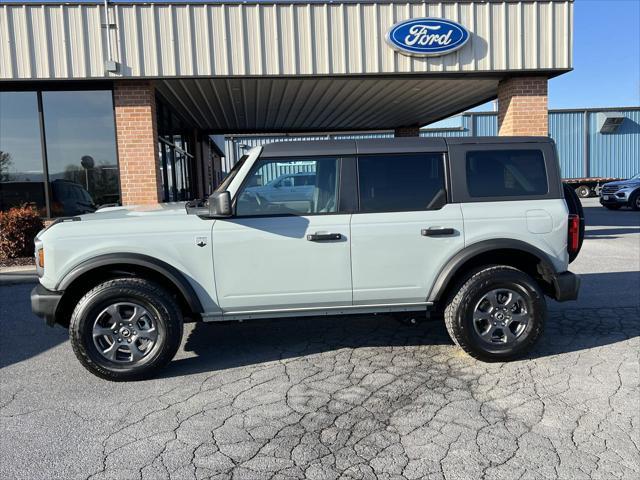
(497,314)
(126,329)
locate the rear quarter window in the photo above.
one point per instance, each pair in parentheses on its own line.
(506,173)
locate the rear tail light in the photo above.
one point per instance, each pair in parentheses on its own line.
(573,240)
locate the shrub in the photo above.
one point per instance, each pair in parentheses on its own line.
(18,227)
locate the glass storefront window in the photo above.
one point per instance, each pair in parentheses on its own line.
(81,150)
(78,133)
(176,159)
(21,167)
(176,167)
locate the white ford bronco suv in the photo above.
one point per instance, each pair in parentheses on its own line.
(476,228)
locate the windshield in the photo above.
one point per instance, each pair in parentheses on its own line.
(635,177)
(229,178)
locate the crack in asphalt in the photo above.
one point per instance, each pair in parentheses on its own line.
(352,398)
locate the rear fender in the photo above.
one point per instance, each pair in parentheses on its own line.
(545,266)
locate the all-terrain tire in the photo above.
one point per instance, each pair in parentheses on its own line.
(634,201)
(167,321)
(461,306)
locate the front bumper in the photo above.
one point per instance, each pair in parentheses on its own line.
(44,303)
(619,197)
(566,286)
(613,200)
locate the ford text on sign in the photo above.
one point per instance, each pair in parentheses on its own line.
(427,36)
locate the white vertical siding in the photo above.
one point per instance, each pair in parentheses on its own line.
(298,38)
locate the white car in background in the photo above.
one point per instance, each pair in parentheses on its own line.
(294,189)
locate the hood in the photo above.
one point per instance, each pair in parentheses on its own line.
(134,219)
(142,216)
(139,212)
(136,211)
(632,182)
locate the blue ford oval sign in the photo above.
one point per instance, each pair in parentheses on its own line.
(427,36)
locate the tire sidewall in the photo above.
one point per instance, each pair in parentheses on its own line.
(513,280)
(583,191)
(163,311)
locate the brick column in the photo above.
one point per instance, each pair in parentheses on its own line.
(412,131)
(522,107)
(137,137)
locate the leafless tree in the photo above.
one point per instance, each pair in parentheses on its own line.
(5,163)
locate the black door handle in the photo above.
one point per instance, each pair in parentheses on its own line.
(323,237)
(433,232)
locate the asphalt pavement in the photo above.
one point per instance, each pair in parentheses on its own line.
(348,397)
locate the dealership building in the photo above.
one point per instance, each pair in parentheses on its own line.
(128,102)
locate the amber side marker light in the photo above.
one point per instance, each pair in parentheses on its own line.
(41,258)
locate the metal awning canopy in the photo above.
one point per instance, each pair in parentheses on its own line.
(241,105)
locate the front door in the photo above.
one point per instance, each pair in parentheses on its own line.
(405,231)
(279,254)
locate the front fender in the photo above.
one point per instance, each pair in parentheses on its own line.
(167,271)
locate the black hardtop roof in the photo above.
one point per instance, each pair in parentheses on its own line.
(316,148)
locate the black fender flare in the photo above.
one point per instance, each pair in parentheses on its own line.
(453,265)
(169,272)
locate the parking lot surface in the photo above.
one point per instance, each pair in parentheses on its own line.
(350,397)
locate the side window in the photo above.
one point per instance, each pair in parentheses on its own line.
(319,196)
(390,183)
(506,173)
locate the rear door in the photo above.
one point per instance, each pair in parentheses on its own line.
(404,231)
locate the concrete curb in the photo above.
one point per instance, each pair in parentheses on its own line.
(18,275)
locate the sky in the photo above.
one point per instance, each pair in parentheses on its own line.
(606,57)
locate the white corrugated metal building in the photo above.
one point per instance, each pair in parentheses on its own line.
(180,71)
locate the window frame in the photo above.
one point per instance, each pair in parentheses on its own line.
(458,164)
(445,181)
(259,162)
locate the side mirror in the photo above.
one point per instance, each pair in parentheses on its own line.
(220,205)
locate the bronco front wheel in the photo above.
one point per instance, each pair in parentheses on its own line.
(126,329)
